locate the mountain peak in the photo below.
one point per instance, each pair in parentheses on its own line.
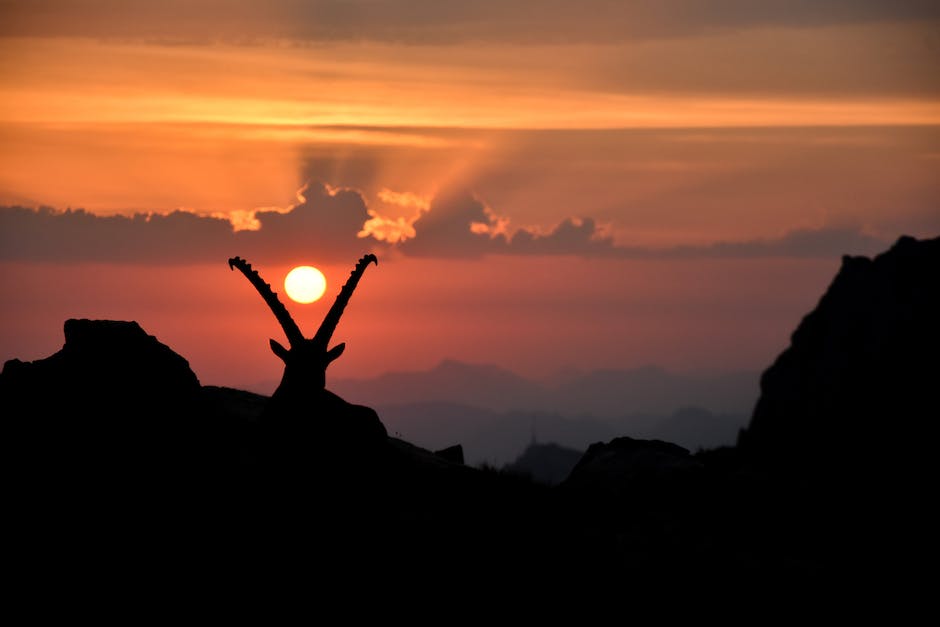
(454,365)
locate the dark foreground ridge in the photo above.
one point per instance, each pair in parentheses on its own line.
(121,459)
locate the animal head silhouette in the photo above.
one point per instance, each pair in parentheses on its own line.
(305,360)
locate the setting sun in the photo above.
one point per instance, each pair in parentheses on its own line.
(305,284)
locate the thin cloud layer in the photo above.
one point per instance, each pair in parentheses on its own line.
(421,21)
(807,243)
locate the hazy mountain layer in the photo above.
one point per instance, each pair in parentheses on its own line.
(600,393)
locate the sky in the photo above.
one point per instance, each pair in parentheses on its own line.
(547,185)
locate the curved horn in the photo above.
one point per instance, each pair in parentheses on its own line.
(291,330)
(325,332)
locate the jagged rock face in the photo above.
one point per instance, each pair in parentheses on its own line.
(859,380)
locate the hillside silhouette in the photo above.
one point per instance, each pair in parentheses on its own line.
(120,458)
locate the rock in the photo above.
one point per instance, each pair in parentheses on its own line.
(624,463)
(855,393)
(106,366)
(844,427)
(114,407)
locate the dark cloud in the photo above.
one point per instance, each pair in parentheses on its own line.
(327,224)
(432,21)
(571,237)
(446,229)
(458,224)
(77,235)
(324,226)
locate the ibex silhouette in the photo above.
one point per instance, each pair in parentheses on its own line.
(301,401)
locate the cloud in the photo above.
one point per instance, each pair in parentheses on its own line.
(335,225)
(456,224)
(427,21)
(820,243)
(806,243)
(574,236)
(77,235)
(323,226)
(404,199)
(398,228)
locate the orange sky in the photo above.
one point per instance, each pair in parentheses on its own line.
(659,126)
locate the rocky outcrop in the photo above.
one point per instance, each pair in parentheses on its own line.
(624,464)
(102,359)
(113,404)
(115,411)
(844,427)
(856,392)
(109,372)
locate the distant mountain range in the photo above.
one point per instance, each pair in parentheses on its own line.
(498,438)
(494,413)
(598,393)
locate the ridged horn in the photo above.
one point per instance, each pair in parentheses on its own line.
(328,326)
(291,330)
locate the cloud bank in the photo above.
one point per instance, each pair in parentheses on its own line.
(324,225)
(333,225)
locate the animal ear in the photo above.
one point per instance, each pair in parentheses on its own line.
(279,350)
(335,352)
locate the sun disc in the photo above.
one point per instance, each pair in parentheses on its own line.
(305,284)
